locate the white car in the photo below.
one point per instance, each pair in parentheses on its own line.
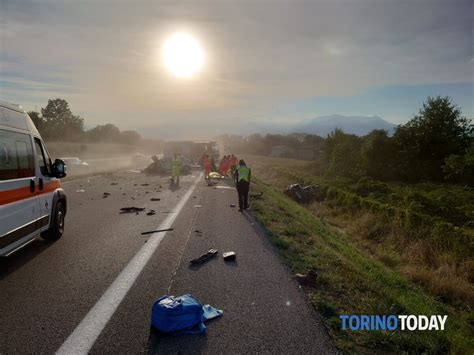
(75,165)
(32,201)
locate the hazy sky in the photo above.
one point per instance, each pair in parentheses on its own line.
(267,62)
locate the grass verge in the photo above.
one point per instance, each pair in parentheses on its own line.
(351,281)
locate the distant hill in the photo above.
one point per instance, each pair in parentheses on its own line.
(359,125)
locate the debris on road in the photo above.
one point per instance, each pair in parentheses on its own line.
(106,194)
(229,256)
(113,183)
(80,190)
(154,167)
(301,194)
(131,209)
(158,231)
(181,315)
(151,213)
(232,205)
(215,175)
(145,184)
(155,199)
(198,232)
(197,206)
(205,257)
(309,278)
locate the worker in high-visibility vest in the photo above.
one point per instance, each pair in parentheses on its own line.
(175,168)
(242,179)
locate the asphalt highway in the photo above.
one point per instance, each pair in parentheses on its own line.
(92,290)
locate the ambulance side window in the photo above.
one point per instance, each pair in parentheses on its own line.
(42,158)
(16,155)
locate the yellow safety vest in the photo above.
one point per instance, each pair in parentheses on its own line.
(244,173)
(176,166)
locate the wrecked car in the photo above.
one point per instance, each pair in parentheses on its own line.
(301,194)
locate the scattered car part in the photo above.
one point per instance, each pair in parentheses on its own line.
(205,257)
(131,209)
(158,231)
(229,256)
(309,278)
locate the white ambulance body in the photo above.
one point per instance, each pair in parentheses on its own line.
(32,201)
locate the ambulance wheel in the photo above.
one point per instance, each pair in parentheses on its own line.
(56,229)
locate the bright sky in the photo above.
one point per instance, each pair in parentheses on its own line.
(264,62)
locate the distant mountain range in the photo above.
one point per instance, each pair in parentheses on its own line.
(358,125)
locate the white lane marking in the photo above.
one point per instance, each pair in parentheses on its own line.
(86,333)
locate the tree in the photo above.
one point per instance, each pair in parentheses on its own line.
(37,120)
(104,133)
(343,152)
(130,137)
(378,155)
(60,121)
(460,168)
(437,132)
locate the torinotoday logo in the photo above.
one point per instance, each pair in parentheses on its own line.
(392,322)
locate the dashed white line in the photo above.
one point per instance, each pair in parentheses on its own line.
(84,336)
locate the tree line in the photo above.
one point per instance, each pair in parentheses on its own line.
(265,144)
(436,145)
(56,122)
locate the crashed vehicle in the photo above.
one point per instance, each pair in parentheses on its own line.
(163,165)
(301,194)
(75,165)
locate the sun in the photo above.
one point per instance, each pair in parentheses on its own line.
(182,55)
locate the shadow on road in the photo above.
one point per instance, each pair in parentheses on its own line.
(174,186)
(9,265)
(177,344)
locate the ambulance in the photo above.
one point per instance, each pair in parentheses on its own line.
(32,202)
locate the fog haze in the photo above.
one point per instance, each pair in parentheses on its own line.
(267,63)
